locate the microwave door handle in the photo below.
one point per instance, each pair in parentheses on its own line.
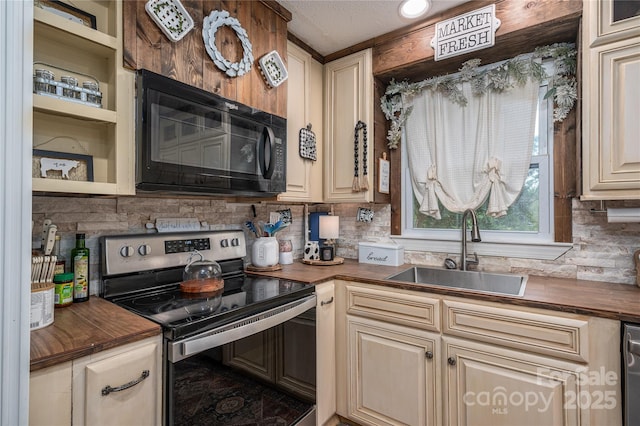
(267,137)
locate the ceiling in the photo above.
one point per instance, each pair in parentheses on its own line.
(329,26)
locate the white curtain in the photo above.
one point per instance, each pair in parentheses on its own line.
(462,154)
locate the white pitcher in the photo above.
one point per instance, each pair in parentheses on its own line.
(264,252)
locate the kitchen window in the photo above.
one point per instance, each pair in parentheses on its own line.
(528,228)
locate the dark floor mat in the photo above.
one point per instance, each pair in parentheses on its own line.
(208,394)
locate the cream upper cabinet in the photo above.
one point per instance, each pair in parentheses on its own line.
(99,139)
(304,107)
(348,99)
(611,100)
(406,357)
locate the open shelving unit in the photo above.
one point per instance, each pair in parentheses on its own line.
(106,134)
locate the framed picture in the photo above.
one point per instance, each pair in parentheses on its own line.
(383,174)
(61,165)
(67,11)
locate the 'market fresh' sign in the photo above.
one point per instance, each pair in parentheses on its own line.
(465,33)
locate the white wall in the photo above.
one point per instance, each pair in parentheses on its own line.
(16,69)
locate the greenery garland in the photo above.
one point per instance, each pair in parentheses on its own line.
(562,84)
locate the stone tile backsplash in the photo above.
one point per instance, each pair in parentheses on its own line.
(601,251)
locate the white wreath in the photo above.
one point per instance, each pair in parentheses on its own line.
(209,27)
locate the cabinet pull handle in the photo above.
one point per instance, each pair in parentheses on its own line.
(108,389)
(328,302)
(429,355)
(451,360)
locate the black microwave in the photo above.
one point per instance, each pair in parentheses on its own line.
(192,141)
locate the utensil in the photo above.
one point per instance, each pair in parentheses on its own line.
(251,228)
(45,231)
(50,239)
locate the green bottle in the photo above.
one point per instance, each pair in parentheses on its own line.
(80,265)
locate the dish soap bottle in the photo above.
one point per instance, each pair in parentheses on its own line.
(80,265)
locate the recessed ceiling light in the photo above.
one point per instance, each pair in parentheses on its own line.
(414,8)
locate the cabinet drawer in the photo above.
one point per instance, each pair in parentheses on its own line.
(395,306)
(557,336)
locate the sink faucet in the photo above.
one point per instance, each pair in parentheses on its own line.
(475,237)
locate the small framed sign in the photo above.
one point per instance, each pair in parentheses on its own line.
(383,174)
(61,165)
(465,33)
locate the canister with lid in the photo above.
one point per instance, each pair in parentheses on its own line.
(63,293)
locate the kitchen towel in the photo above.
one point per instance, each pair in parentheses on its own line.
(618,215)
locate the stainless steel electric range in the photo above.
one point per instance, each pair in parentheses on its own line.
(203,337)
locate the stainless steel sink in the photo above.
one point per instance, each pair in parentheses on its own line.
(512,285)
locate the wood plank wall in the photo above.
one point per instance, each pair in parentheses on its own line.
(146,47)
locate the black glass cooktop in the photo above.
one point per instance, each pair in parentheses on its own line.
(182,314)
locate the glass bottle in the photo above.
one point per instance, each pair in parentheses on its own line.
(61,261)
(80,264)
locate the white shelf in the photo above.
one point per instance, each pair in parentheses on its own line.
(74,187)
(74,28)
(61,107)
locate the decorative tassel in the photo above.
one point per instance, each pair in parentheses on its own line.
(364,183)
(355,187)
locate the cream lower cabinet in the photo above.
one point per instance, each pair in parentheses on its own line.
(488,385)
(397,374)
(325,352)
(406,357)
(50,396)
(120,386)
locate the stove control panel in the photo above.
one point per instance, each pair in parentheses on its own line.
(181,246)
(125,254)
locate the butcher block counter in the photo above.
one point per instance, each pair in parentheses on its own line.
(84,329)
(607,300)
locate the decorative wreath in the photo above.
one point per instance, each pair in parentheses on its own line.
(209,27)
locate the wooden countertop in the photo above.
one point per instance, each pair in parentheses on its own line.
(89,327)
(86,328)
(595,298)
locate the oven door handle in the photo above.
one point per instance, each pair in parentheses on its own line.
(180,350)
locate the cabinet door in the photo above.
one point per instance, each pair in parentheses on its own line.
(253,354)
(393,374)
(348,99)
(296,343)
(489,385)
(606,21)
(325,352)
(119,390)
(611,126)
(50,396)
(304,107)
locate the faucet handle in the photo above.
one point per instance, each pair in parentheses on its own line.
(474,260)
